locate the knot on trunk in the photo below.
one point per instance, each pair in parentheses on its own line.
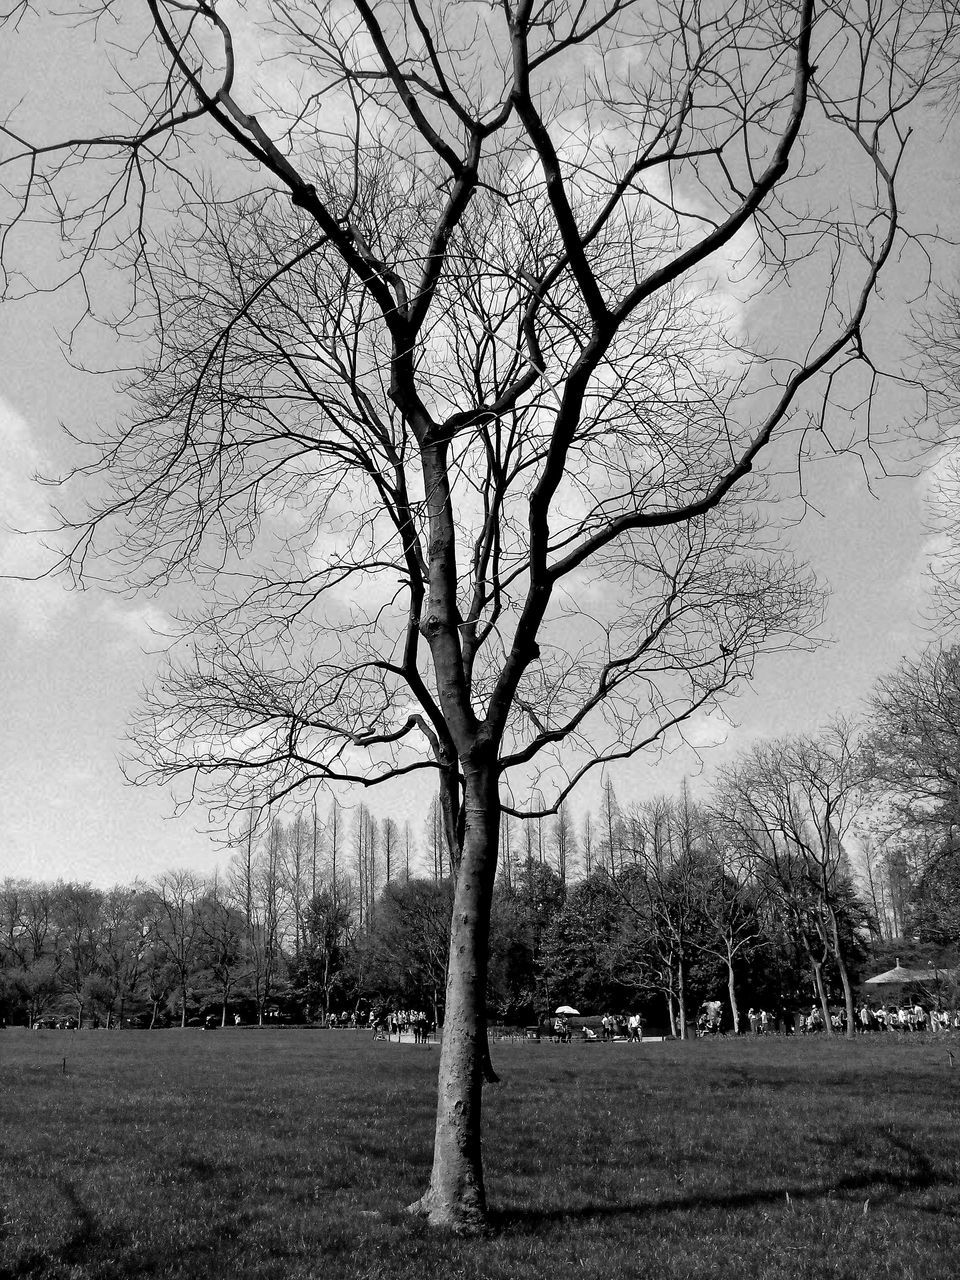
(304,197)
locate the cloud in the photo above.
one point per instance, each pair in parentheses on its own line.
(934,494)
(35,607)
(33,603)
(145,626)
(20,502)
(707,729)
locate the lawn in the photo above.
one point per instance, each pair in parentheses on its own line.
(291,1153)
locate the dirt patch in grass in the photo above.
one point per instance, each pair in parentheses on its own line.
(185,1154)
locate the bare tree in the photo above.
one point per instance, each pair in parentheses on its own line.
(507,857)
(299,875)
(390,848)
(587,843)
(29,944)
(77,912)
(938,344)
(914,743)
(257,884)
(334,841)
(223,934)
(435,838)
(564,842)
(661,868)
(611,852)
(123,942)
(730,901)
(464,361)
(794,802)
(407,849)
(365,864)
(410,941)
(175,932)
(331,927)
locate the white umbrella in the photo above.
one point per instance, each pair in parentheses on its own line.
(567,1008)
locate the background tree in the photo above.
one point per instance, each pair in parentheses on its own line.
(794,803)
(507,858)
(511,984)
(729,903)
(365,864)
(266,931)
(408,951)
(915,748)
(591,955)
(661,882)
(938,349)
(331,929)
(77,916)
(299,873)
(934,909)
(123,940)
(390,845)
(31,955)
(540,894)
(564,843)
(471,340)
(222,951)
(175,937)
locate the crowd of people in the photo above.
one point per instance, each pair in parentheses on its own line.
(907,1018)
(869,1018)
(613,1026)
(400,1021)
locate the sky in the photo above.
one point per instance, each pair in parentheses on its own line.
(74,662)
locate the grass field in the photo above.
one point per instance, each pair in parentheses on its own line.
(290,1154)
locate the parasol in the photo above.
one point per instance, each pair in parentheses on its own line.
(567,1008)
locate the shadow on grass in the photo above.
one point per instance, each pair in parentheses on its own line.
(881,1181)
(86,1233)
(87,1237)
(95,1248)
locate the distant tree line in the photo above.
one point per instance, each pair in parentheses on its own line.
(810,858)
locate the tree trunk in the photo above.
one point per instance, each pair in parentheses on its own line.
(456,1197)
(851,1029)
(821,994)
(681,999)
(732,995)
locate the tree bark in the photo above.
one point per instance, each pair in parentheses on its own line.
(851,1028)
(732,994)
(821,990)
(682,998)
(456,1196)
